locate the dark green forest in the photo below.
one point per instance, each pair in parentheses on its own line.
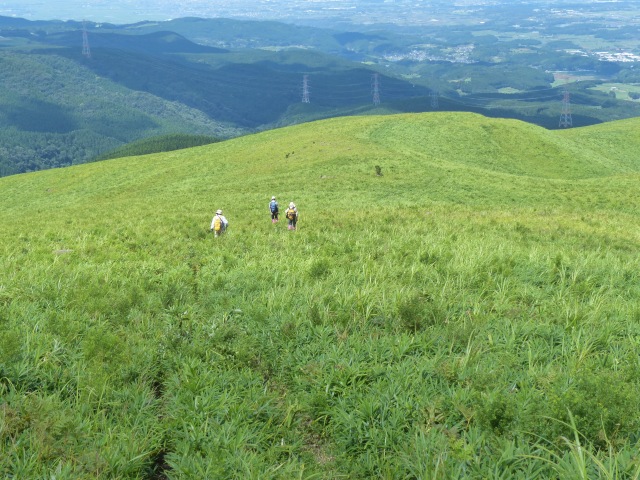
(163,143)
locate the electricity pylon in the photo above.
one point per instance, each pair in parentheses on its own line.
(375,88)
(434,99)
(86,50)
(305,89)
(565,116)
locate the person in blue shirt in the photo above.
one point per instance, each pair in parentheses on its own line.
(273,208)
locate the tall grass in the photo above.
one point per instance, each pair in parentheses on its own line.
(462,316)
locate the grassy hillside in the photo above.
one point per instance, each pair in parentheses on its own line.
(471,313)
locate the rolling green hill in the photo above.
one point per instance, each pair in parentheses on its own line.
(472,312)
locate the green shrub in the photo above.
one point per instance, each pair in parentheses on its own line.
(603,405)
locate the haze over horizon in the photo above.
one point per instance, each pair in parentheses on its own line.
(408,12)
(130,11)
(119,11)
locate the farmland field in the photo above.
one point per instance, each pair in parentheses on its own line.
(621,90)
(472,312)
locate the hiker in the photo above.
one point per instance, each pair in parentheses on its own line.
(219,224)
(273,208)
(292,216)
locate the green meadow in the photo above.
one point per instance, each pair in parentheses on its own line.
(472,312)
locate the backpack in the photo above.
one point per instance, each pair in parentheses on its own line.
(217,223)
(291,214)
(273,206)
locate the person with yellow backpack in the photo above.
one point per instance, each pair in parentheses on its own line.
(292,216)
(219,224)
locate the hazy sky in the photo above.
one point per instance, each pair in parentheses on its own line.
(117,11)
(131,11)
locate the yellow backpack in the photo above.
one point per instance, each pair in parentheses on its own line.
(217,223)
(291,214)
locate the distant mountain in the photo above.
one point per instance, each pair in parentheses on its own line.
(226,78)
(63,108)
(56,112)
(161,42)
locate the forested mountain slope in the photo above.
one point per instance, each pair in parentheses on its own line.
(57,112)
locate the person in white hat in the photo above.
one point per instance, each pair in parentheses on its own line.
(292,216)
(219,224)
(273,208)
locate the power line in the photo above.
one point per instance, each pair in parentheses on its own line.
(352,92)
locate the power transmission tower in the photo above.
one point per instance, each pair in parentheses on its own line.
(86,50)
(375,87)
(565,116)
(434,99)
(305,89)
